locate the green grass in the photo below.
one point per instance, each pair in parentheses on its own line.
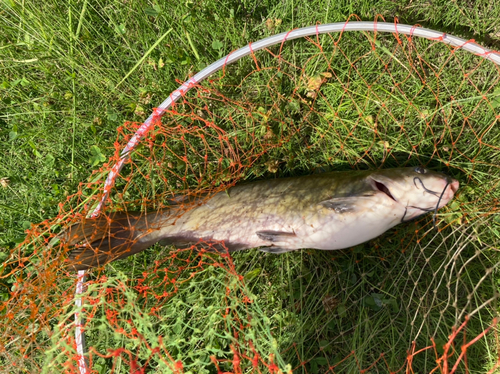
(73,72)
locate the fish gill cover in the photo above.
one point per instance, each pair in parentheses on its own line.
(414,300)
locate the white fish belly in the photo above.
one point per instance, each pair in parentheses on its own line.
(342,230)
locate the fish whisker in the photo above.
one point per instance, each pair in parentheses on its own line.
(437,205)
(424,209)
(425,188)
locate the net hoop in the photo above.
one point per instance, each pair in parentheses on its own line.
(339,27)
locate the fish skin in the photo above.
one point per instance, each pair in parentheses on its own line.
(324,211)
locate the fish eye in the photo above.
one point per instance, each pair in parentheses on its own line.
(420,170)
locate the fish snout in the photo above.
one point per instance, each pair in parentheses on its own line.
(454,185)
(449,193)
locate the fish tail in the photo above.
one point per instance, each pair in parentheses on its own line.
(110,237)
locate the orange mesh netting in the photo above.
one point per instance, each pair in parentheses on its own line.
(414,300)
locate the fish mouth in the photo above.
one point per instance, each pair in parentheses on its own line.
(383,188)
(454,185)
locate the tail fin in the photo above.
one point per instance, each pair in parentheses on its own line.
(110,237)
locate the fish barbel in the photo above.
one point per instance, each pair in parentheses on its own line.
(324,211)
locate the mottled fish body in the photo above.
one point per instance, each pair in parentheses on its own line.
(323,211)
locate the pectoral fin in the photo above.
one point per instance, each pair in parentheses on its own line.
(275,250)
(275,236)
(344,204)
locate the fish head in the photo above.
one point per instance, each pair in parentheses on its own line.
(416,189)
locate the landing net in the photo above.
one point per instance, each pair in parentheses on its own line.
(412,300)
